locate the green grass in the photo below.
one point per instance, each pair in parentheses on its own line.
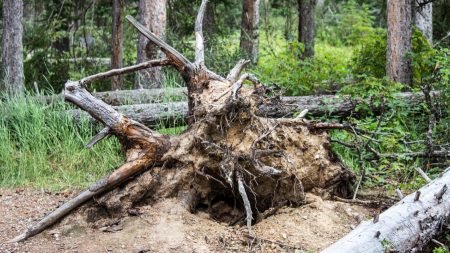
(42,147)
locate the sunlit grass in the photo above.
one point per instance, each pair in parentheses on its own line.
(43,147)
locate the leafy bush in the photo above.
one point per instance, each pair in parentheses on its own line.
(369,59)
(345,23)
(283,66)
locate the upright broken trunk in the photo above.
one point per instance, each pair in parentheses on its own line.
(152,14)
(250,29)
(306,26)
(117,43)
(423,18)
(228,154)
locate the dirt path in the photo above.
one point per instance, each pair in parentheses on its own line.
(167,227)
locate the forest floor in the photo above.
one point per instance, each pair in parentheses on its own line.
(166,226)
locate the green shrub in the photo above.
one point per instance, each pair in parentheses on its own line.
(282,65)
(346,23)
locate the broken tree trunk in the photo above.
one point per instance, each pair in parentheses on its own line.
(228,154)
(149,112)
(407,226)
(131,97)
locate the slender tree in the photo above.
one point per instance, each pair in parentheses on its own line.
(12,58)
(250,29)
(423,18)
(152,15)
(117,43)
(306,26)
(399,27)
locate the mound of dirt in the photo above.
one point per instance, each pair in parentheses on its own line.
(165,226)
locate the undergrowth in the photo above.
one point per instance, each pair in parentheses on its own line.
(41,146)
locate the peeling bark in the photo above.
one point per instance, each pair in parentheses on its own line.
(407,226)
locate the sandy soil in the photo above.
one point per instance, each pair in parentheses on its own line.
(167,227)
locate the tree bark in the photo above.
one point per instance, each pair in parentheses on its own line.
(250,29)
(423,18)
(306,26)
(12,54)
(117,44)
(148,105)
(407,226)
(399,27)
(152,15)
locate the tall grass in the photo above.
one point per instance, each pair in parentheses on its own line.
(43,147)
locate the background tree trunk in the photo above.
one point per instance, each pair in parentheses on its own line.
(209,23)
(12,58)
(117,42)
(423,19)
(398,65)
(152,15)
(306,26)
(249,29)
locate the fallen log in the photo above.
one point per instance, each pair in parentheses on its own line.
(176,112)
(339,105)
(148,114)
(130,97)
(408,226)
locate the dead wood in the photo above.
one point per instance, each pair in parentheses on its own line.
(131,97)
(144,105)
(230,157)
(407,226)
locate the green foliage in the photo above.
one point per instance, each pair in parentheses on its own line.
(394,131)
(370,57)
(280,63)
(441,250)
(346,23)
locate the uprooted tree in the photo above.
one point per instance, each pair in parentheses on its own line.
(231,153)
(228,152)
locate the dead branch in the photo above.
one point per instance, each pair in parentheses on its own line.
(121,71)
(98,137)
(423,174)
(183,65)
(248,208)
(236,70)
(118,176)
